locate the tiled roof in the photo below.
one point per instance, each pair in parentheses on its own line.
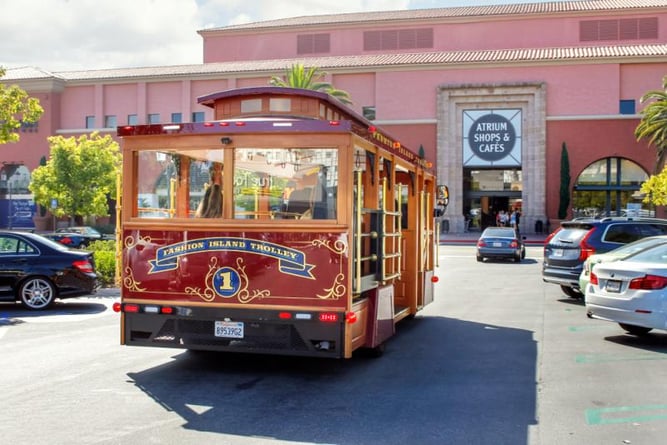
(28,73)
(441,58)
(444,13)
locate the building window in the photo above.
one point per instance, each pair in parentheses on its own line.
(627,106)
(312,43)
(198,116)
(29,127)
(176,118)
(153,118)
(369,113)
(132,119)
(608,187)
(90,121)
(398,39)
(110,122)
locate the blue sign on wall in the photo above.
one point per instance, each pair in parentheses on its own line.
(17,213)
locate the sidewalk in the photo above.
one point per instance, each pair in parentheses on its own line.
(470,238)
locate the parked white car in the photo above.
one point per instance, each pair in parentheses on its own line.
(618,254)
(631,292)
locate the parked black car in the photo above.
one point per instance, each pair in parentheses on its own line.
(35,270)
(566,249)
(76,236)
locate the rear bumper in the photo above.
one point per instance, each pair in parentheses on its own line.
(655,320)
(569,277)
(498,253)
(264,332)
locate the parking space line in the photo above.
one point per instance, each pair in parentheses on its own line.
(605,416)
(588,328)
(603,358)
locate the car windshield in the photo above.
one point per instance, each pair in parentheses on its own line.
(657,254)
(498,233)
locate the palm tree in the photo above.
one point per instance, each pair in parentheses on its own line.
(653,124)
(298,76)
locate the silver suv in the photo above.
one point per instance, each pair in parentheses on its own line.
(566,249)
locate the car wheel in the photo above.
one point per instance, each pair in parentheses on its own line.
(634,330)
(572,292)
(37,293)
(480,259)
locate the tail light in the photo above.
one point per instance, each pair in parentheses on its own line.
(648,282)
(481,243)
(546,241)
(514,244)
(84,266)
(328,317)
(585,249)
(593,278)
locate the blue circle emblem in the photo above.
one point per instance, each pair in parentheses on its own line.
(226,282)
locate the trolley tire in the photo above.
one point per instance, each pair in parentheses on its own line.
(374,352)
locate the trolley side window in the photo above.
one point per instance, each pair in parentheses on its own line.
(297,183)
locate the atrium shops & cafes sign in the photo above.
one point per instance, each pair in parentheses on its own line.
(492,138)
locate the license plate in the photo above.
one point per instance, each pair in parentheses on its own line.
(229,329)
(558,252)
(497,244)
(613,286)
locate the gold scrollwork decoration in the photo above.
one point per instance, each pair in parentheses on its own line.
(244,295)
(130,283)
(336,290)
(209,293)
(130,242)
(339,247)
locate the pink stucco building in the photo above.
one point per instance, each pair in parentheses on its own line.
(491,94)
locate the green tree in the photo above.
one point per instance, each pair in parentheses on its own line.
(655,189)
(80,174)
(299,76)
(564,183)
(16,107)
(653,123)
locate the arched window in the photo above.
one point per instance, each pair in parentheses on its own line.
(610,187)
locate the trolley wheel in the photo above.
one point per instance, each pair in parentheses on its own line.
(374,352)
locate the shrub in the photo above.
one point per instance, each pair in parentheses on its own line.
(105,261)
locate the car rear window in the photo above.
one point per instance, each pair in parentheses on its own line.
(570,235)
(657,254)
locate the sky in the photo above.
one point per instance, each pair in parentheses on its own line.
(70,35)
